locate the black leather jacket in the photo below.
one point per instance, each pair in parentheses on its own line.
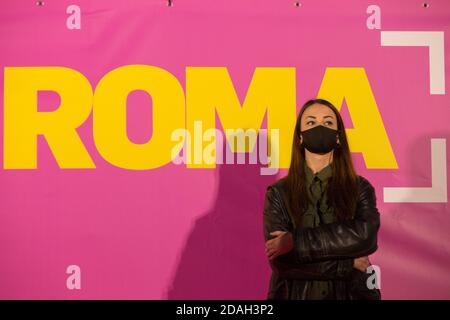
(325,252)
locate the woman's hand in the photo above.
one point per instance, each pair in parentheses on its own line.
(361,263)
(282,244)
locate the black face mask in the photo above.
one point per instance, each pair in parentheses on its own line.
(320,139)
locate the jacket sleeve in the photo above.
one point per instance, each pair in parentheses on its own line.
(286,265)
(350,238)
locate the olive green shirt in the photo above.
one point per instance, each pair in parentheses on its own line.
(318,213)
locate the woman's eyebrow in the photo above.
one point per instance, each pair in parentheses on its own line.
(323,117)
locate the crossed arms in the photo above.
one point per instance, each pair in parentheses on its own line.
(327,251)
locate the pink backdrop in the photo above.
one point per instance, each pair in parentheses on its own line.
(175,232)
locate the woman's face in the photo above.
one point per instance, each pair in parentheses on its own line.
(318,114)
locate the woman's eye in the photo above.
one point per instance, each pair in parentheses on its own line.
(327,122)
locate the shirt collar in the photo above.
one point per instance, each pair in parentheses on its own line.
(323,174)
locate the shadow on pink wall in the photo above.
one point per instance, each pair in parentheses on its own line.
(224,255)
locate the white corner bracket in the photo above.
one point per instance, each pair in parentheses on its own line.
(432,39)
(438,190)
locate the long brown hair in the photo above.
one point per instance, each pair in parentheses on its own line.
(342,188)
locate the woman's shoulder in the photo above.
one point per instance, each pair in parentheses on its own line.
(366,189)
(364,182)
(279,184)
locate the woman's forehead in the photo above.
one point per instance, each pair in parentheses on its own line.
(318,111)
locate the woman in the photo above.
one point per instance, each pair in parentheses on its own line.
(321,219)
